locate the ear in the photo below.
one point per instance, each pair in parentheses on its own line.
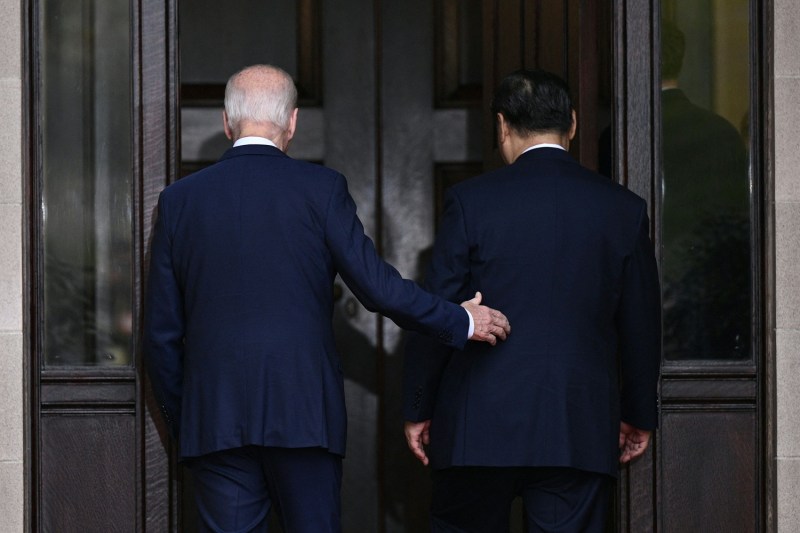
(226,127)
(574,126)
(502,129)
(292,125)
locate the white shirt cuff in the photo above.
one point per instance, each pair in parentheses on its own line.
(471,325)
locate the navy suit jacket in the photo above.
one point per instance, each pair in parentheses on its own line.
(566,255)
(238,340)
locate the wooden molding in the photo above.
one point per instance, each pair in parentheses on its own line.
(309,65)
(449,89)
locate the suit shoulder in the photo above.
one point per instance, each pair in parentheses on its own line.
(624,194)
(222,172)
(194,179)
(625,199)
(316,170)
(315,178)
(684,118)
(479,182)
(304,169)
(614,190)
(178,189)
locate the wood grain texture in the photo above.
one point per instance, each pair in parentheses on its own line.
(453,20)
(711,460)
(561,37)
(159,153)
(90,465)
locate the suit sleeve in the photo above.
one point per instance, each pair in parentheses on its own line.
(448,275)
(163,345)
(639,328)
(378,285)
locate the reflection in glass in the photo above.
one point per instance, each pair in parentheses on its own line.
(86,173)
(705,232)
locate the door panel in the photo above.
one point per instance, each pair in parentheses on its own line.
(705,472)
(88,454)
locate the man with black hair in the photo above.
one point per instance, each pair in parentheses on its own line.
(551,413)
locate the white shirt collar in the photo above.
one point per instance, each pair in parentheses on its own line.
(543,145)
(254,140)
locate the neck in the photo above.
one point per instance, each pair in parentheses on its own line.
(520,144)
(274,134)
(279,140)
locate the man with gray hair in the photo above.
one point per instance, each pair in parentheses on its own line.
(238,340)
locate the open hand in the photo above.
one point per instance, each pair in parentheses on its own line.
(490,324)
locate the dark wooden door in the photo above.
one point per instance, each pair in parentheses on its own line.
(571,38)
(707,468)
(101,138)
(394,95)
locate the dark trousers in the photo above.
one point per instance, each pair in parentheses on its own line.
(235,489)
(478,499)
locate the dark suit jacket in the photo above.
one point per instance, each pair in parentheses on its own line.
(238,340)
(565,254)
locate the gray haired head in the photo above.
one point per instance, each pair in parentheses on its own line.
(260,94)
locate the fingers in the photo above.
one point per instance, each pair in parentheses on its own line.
(632,450)
(506,325)
(639,449)
(499,326)
(417,435)
(633,442)
(501,330)
(419,453)
(490,324)
(499,321)
(484,335)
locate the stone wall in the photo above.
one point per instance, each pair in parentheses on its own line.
(11,335)
(787,260)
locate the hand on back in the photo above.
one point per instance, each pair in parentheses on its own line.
(490,324)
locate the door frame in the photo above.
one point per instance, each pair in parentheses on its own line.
(156,163)
(91,392)
(638,162)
